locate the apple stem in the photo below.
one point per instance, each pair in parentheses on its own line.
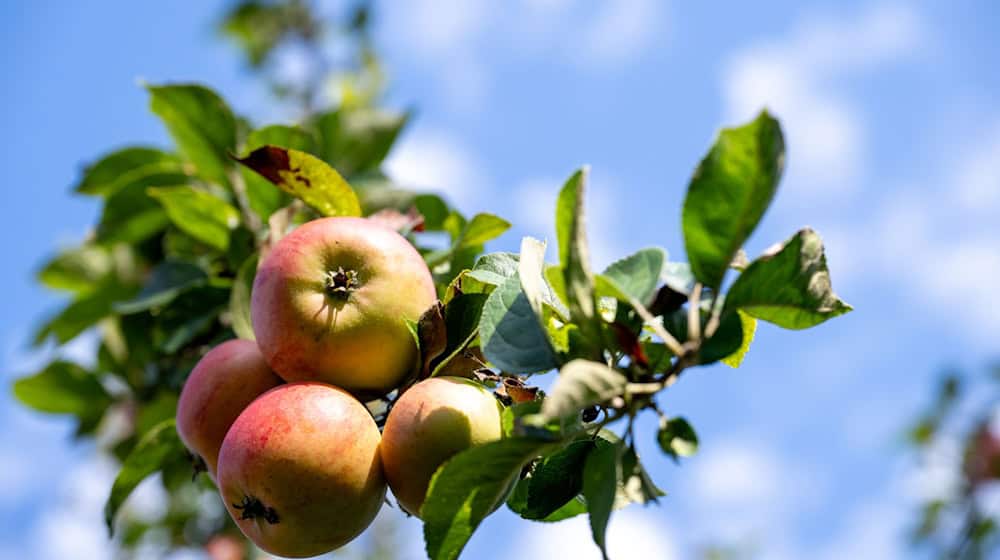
(252,508)
(340,283)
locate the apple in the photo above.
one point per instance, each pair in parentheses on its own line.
(431,422)
(329,304)
(226,547)
(226,379)
(300,471)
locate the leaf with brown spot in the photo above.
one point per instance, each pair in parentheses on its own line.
(305,177)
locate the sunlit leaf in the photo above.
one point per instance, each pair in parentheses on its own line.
(201,124)
(581,383)
(201,215)
(789,287)
(306,177)
(729,193)
(158,446)
(463,492)
(510,334)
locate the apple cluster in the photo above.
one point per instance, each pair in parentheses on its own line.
(279,422)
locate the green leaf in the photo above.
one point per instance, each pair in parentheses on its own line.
(637,275)
(600,486)
(510,334)
(167,281)
(290,137)
(201,215)
(676,437)
(190,315)
(305,177)
(531,269)
(480,229)
(239,299)
(678,277)
(581,383)
(78,270)
(635,484)
(130,215)
(726,341)
(463,492)
(789,287)
(258,27)
(495,268)
(83,313)
(556,281)
(729,193)
(518,500)
(64,388)
(512,422)
(122,167)
(574,253)
(434,210)
(749,328)
(263,196)
(461,321)
(358,140)
(201,124)
(158,446)
(556,480)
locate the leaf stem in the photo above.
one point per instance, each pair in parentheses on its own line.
(714,320)
(694,314)
(657,327)
(250,218)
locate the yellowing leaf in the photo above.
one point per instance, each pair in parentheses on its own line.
(307,178)
(749,328)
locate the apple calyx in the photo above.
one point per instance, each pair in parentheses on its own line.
(341,283)
(252,508)
(198,465)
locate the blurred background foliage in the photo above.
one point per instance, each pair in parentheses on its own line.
(962,417)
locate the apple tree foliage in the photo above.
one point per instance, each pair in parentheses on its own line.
(958,437)
(167,270)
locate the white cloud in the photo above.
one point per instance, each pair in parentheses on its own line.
(148,502)
(872,530)
(452,43)
(978,175)
(742,491)
(466,83)
(632,533)
(737,475)
(939,245)
(74,526)
(618,31)
(16,477)
(936,474)
(438,162)
(796,78)
(432,29)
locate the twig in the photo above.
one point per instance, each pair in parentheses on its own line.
(657,327)
(694,313)
(250,218)
(714,320)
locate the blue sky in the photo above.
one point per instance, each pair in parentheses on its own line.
(893,129)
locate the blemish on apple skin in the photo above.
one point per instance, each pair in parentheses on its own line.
(252,508)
